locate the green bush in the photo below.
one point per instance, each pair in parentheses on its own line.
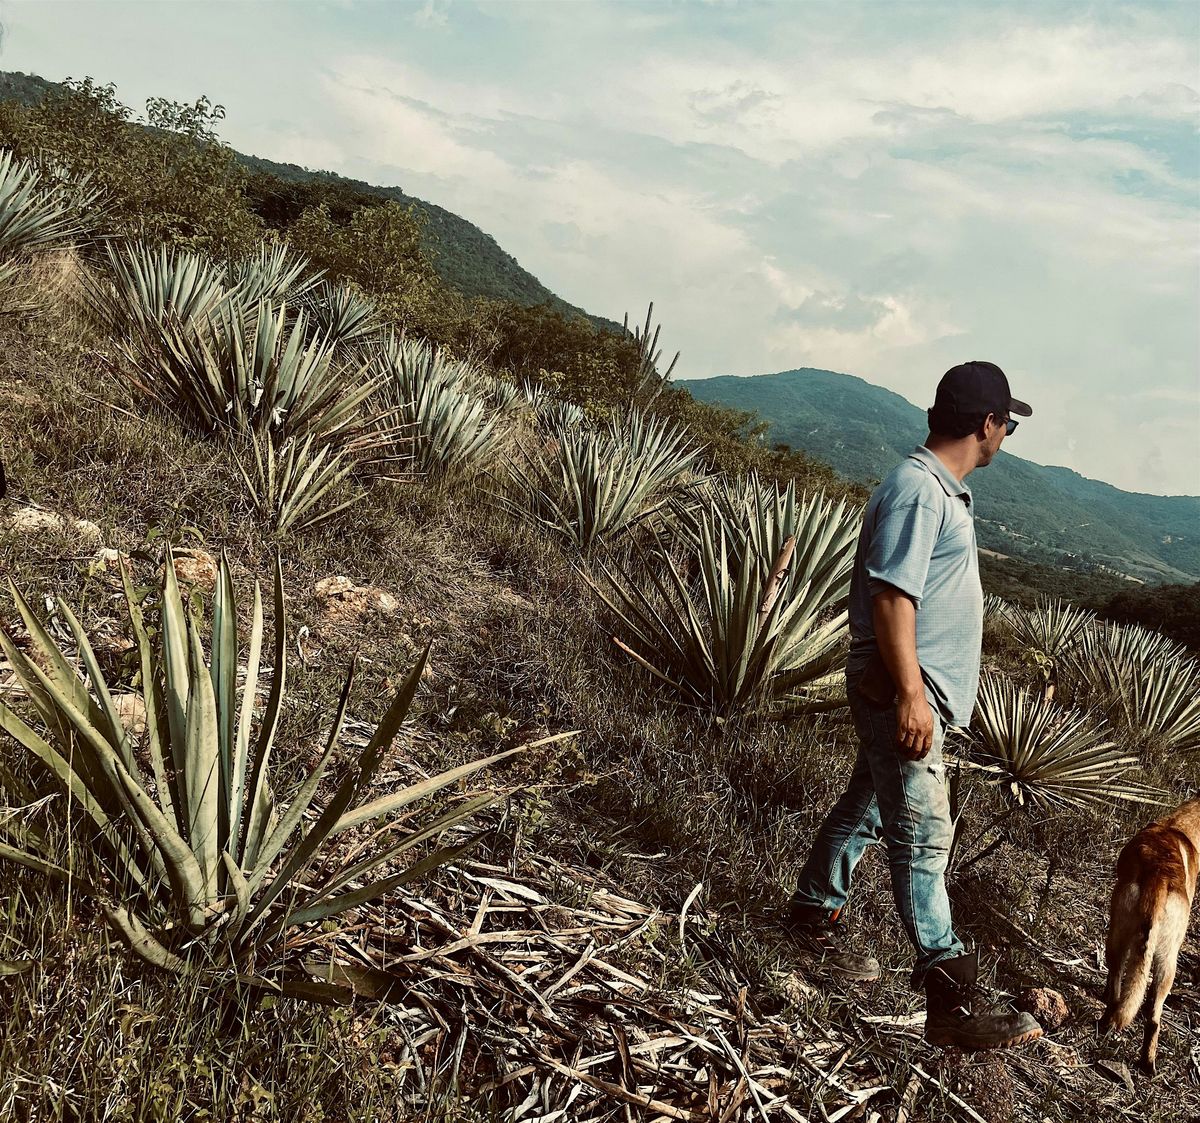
(203,869)
(174,182)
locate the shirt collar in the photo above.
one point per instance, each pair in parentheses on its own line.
(951,485)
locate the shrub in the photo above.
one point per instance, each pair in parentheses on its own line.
(596,484)
(760,627)
(204,869)
(174,182)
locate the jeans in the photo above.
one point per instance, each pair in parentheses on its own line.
(903,804)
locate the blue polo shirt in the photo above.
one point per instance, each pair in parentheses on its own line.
(918,536)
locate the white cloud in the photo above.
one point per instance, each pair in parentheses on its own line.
(884,189)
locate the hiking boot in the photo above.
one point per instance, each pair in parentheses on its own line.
(822,937)
(951,994)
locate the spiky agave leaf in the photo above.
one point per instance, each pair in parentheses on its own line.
(504,396)
(449,430)
(276,274)
(649,380)
(997,609)
(596,484)
(209,874)
(142,287)
(759,628)
(36,212)
(1147,684)
(341,315)
(1049,755)
(558,418)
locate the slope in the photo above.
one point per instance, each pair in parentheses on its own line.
(465,257)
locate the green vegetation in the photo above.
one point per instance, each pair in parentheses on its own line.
(204,870)
(185,411)
(1171,609)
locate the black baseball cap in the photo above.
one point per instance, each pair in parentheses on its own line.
(975,389)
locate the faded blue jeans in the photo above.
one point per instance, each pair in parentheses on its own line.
(903,804)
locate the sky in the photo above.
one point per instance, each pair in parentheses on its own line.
(883,189)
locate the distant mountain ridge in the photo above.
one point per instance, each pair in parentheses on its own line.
(1046,514)
(465,257)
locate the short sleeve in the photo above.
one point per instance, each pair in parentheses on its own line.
(900,547)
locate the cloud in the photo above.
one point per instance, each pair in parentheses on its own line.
(883,189)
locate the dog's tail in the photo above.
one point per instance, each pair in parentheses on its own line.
(1138,954)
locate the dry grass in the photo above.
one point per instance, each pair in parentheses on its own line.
(654,797)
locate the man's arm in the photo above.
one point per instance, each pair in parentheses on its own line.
(895,618)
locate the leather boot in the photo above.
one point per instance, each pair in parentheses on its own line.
(951,997)
(821,936)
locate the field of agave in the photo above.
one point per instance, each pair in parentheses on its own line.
(724,599)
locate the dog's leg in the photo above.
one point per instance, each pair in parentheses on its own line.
(1166,955)
(1123,929)
(1112,958)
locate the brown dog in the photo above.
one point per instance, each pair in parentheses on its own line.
(1156,881)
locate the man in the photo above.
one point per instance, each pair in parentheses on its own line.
(916,627)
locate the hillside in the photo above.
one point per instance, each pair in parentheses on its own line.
(1045,514)
(325,791)
(465,257)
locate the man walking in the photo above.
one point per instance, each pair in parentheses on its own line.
(916,627)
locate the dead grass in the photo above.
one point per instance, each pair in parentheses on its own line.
(656,797)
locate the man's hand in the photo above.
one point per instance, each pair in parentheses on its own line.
(914,726)
(895,617)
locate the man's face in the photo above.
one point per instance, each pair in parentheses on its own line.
(995,429)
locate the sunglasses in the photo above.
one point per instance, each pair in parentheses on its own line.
(1009,425)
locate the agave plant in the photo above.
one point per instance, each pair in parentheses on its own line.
(597,484)
(648,380)
(1048,755)
(221,350)
(505,397)
(760,627)
(448,428)
(557,418)
(289,481)
(36,212)
(203,868)
(275,274)
(341,315)
(534,393)
(143,288)
(1047,632)
(1051,627)
(254,370)
(1146,683)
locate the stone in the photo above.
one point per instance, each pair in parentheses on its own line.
(131,709)
(343,602)
(1117,1071)
(1048,1006)
(196,567)
(109,559)
(37,520)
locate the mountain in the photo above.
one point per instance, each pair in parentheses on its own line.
(1045,514)
(465,257)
